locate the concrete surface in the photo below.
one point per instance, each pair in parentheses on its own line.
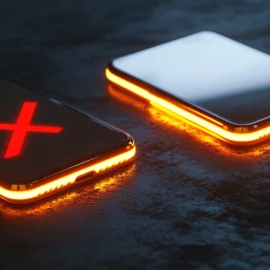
(188,201)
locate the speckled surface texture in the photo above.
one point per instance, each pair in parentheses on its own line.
(188,201)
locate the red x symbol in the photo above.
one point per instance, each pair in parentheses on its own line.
(22,127)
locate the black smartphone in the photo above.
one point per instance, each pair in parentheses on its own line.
(215,83)
(46,146)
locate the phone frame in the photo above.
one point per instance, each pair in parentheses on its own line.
(74,174)
(233,133)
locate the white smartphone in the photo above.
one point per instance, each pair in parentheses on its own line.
(213,82)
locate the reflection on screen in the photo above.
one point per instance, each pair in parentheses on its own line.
(213,72)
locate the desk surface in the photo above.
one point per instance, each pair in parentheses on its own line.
(187,202)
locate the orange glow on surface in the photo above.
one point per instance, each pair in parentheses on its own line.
(114,182)
(88,194)
(39,192)
(202,142)
(21,128)
(203,124)
(103,186)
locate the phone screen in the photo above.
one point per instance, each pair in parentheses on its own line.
(212,72)
(39,137)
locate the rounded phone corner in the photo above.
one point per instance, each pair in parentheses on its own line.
(246,126)
(130,143)
(110,64)
(115,64)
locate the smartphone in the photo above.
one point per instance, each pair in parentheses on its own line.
(215,83)
(46,146)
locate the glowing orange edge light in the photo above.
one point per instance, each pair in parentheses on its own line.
(25,195)
(202,123)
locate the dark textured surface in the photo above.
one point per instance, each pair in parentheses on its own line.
(187,202)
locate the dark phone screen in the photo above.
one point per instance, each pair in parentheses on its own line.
(39,137)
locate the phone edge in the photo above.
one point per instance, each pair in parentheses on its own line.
(233,129)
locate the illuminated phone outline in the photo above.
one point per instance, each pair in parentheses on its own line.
(62,179)
(239,135)
(23,194)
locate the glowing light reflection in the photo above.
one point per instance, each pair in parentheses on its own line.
(20,196)
(203,124)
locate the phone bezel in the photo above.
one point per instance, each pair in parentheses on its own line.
(227,125)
